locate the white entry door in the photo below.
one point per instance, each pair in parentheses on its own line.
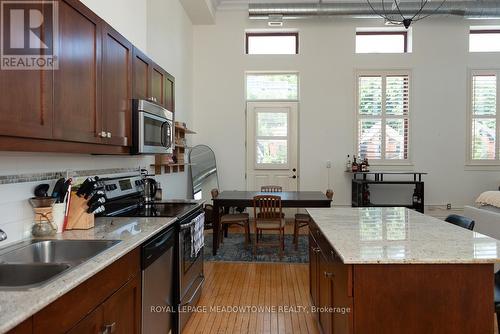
(272,145)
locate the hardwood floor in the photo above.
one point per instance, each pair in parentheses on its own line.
(255,285)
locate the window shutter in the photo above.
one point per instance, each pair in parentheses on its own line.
(383,116)
(484,116)
(397,110)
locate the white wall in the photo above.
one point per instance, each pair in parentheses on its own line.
(162,29)
(327,65)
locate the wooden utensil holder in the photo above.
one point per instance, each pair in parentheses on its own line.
(78,218)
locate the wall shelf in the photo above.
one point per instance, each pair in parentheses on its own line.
(163,162)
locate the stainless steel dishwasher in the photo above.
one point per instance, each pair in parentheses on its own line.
(158,272)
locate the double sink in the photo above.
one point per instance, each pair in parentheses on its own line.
(34,263)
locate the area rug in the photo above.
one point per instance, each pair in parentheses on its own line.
(234,249)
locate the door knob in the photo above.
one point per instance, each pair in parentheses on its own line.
(293,177)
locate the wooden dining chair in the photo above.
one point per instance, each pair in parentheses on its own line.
(228,219)
(267,217)
(303,220)
(271,189)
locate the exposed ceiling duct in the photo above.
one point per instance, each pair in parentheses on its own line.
(360,9)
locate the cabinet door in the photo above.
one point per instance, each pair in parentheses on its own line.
(122,311)
(326,295)
(170,93)
(142,75)
(91,324)
(342,295)
(158,84)
(116,87)
(77,99)
(313,270)
(26,103)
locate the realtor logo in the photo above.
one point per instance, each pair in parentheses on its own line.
(29,34)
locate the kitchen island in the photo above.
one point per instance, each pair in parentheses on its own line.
(394,270)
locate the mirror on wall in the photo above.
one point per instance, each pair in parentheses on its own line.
(203,171)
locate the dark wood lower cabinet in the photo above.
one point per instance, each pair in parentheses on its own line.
(121,313)
(110,300)
(398,298)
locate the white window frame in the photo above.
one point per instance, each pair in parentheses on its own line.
(383,117)
(481,162)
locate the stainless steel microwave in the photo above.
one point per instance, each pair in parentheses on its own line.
(152,128)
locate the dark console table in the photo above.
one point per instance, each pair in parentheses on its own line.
(361,182)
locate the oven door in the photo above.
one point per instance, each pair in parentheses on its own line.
(155,134)
(190,266)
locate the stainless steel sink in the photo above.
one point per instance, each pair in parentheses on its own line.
(57,251)
(25,276)
(32,264)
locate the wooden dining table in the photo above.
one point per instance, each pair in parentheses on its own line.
(244,199)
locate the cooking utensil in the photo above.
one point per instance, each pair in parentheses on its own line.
(42,190)
(58,188)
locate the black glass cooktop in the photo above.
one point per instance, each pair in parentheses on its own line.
(161,209)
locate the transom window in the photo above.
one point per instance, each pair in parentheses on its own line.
(383,108)
(272,86)
(381,41)
(285,43)
(484,39)
(484,129)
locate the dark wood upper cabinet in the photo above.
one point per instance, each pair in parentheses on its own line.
(77,83)
(158,78)
(170,93)
(117,54)
(152,82)
(26,103)
(85,105)
(142,75)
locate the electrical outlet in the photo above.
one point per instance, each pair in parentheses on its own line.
(328,164)
(448,206)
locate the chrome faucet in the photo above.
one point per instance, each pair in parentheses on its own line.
(3,235)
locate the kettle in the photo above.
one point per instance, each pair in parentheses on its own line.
(150,188)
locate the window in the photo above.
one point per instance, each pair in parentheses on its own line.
(482,39)
(272,86)
(385,41)
(272,43)
(271,138)
(383,106)
(484,117)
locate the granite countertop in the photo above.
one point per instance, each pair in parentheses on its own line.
(17,306)
(399,236)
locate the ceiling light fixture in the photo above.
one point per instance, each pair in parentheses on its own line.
(404,13)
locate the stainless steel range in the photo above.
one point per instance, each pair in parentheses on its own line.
(125,198)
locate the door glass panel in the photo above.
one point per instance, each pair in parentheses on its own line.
(272,124)
(272,151)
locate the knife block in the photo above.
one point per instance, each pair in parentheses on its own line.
(78,218)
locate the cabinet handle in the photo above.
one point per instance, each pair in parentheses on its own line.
(316,249)
(108,329)
(109,134)
(328,275)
